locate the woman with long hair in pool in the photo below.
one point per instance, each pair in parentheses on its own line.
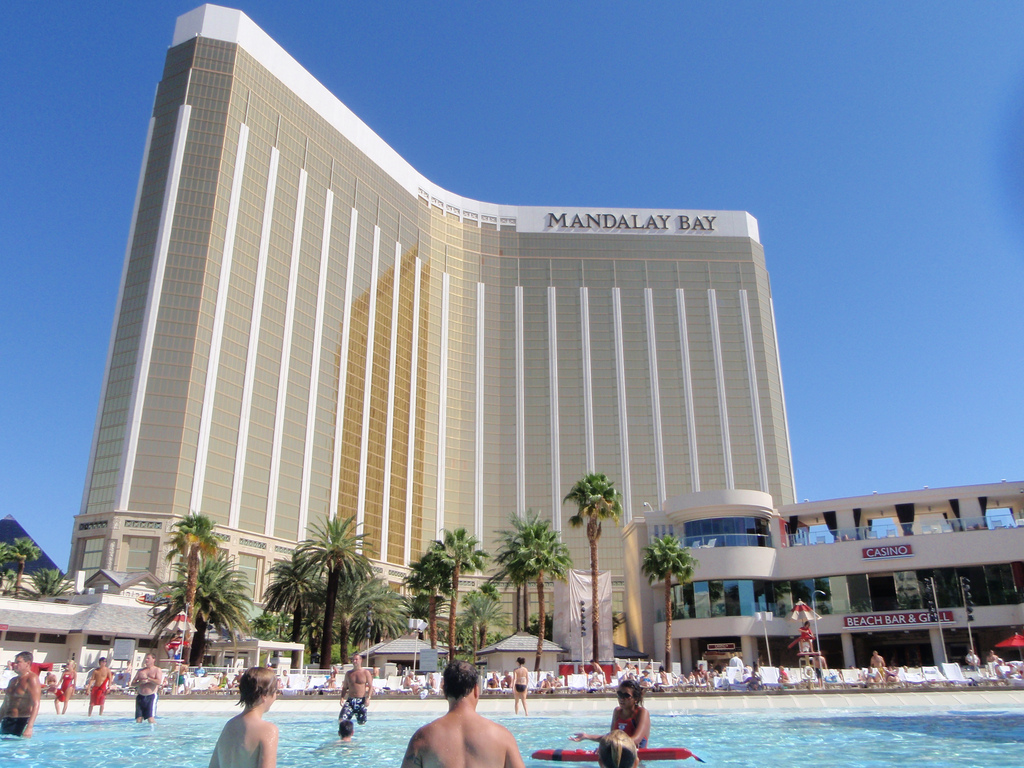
(630,716)
(616,750)
(521,679)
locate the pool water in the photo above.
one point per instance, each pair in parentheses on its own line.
(936,738)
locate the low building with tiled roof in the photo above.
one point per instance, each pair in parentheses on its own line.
(502,655)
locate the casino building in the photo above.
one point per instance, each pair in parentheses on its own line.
(307,327)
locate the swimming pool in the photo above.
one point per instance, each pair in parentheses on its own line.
(936,738)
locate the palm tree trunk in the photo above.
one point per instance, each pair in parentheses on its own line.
(526,608)
(668,621)
(518,607)
(432,621)
(344,630)
(540,620)
(198,650)
(327,638)
(192,581)
(595,609)
(17,579)
(451,613)
(297,623)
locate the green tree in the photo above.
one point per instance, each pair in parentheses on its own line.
(459,550)
(337,549)
(596,500)
(513,569)
(192,539)
(290,589)
(539,553)
(22,552)
(368,606)
(480,611)
(430,576)
(270,626)
(663,559)
(50,582)
(221,601)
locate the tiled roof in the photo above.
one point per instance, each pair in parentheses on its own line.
(405,645)
(521,642)
(98,619)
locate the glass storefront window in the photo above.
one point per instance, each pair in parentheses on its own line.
(860,595)
(701,600)
(839,593)
(727,532)
(908,590)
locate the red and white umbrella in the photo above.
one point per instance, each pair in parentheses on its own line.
(803,612)
(181,624)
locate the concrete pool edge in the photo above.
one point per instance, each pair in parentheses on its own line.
(539,704)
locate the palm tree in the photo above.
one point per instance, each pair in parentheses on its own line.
(481,610)
(430,576)
(290,589)
(270,626)
(663,559)
(596,499)
(512,569)
(369,607)
(336,548)
(22,551)
(221,598)
(50,582)
(458,548)
(192,538)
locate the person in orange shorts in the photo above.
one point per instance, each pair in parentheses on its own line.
(99,684)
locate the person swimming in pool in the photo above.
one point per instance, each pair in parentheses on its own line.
(248,741)
(616,750)
(630,716)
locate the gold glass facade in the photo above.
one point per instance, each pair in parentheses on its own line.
(302,336)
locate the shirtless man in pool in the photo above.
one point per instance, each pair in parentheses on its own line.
(21,704)
(149,679)
(462,738)
(356,690)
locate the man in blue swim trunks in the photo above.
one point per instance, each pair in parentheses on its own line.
(149,680)
(21,704)
(357,691)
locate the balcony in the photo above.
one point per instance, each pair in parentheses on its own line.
(820,535)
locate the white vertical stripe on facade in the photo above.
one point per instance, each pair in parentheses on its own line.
(755,401)
(556,450)
(588,386)
(723,411)
(314,375)
(117,317)
(414,362)
(346,329)
(371,325)
(286,356)
(652,358)
(691,429)
(442,405)
(389,433)
(481,351)
(520,409)
(782,396)
(155,292)
(620,386)
(254,340)
(219,314)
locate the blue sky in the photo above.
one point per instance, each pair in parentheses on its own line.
(879,145)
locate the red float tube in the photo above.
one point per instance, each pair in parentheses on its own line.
(590,756)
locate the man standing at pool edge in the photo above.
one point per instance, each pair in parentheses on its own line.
(356,691)
(149,679)
(462,738)
(21,704)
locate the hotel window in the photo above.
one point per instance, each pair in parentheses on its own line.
(140,553)
(250,567)
(92,554)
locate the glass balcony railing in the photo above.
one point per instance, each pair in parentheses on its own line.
(809,537)
(727,540)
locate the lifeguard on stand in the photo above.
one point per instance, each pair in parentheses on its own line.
(809,657)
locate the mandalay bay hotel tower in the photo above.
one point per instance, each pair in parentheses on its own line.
(306,327)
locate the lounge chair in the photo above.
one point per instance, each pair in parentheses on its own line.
(908,677)
(852,678)
(955,675)
(295,684)
(576,682)
(933,676)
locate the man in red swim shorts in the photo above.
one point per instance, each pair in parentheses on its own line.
(99,684)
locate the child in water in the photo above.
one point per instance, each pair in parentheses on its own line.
(616,750)
(247,741)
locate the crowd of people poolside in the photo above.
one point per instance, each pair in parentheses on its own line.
(462,738)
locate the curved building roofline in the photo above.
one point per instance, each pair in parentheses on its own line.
(232,26)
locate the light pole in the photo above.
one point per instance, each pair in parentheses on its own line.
(583,632)
(814,610)
(764,617)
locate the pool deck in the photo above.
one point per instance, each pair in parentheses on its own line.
(562,704)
